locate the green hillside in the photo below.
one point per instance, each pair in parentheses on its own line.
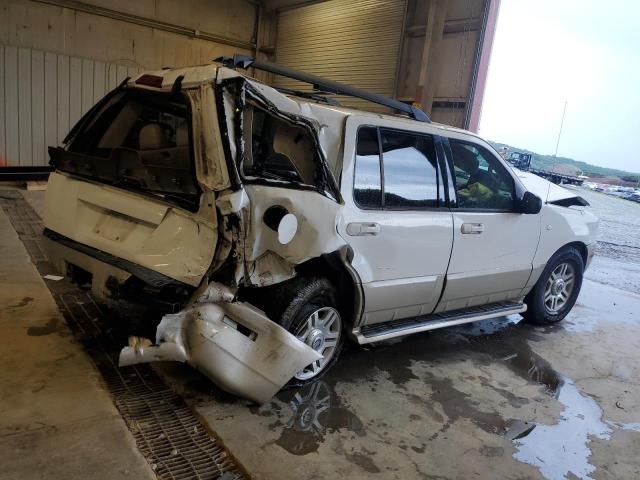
(545,162)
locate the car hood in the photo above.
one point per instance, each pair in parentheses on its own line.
(547,191)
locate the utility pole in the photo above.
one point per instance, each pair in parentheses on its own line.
(564,111)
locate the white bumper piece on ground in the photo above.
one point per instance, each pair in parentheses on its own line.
(234,344)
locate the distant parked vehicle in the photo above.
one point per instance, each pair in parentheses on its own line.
(522,161)
(633,196)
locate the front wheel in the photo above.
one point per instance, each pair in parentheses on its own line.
(557,289)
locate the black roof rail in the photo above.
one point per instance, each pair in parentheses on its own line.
(319,83)
(318,97)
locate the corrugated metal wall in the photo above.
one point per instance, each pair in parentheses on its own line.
(356,42)
(42,95)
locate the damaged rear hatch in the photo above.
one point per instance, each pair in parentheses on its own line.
(142,188)
(132,187)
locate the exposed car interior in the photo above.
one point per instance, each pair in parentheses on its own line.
(276,149)
(137,140)
(481,181)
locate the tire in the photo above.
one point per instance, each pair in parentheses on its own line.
(311,313)
(557,289)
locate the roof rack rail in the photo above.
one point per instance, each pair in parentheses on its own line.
(319,83)
(318,97)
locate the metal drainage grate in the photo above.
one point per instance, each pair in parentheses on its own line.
(172,439)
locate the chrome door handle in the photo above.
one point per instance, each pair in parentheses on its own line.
(472,228)
(363,228)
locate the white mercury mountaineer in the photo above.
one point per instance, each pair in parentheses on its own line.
(256,229)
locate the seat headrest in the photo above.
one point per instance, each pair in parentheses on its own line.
(152,136)
(367,142)
(464,158)
(182,136)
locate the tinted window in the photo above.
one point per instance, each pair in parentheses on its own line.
(410,170)
(366,189)
(481,180)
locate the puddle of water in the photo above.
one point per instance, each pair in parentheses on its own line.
(634,427)
(52,326)
(22,303)
(302,419)
(563,449)
(600,304)
(310,413)
(558,450)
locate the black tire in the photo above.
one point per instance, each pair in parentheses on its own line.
(539,312)
(302,297)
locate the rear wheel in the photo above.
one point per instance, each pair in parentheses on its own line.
(557,289)
(312,315)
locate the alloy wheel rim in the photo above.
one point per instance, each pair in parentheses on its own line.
(559,287)
(321,331)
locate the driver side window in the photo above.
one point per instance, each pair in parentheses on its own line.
(482,182)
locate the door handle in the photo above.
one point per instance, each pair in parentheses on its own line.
(472,228)
(363,228)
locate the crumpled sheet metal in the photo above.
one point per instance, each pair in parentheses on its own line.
(253,363)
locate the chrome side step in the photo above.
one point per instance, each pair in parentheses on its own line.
(399,328)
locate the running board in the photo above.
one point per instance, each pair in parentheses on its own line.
(399,328)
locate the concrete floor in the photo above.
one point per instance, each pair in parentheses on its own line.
(56,419)
(498,399)
(455,403)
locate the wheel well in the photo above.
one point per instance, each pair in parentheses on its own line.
(332,267)
(581,247)
(272,299)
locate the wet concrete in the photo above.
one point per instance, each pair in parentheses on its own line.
(496,399)
(56,419)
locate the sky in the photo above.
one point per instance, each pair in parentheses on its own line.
(584,52)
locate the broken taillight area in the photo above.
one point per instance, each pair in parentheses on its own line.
(149,80)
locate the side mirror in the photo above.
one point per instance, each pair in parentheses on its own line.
(529,204)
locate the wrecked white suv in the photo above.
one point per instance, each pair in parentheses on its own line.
(255,229)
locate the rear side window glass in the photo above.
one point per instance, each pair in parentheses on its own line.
(367,189)
(410,170)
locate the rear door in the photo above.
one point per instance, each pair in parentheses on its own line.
(395,220)
(493,246)
(126,186)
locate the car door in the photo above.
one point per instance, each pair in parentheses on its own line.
(493,245)
(395,220)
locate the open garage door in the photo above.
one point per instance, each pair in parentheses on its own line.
(356,42)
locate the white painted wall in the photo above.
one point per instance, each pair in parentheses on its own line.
(42,95)
(56,62)
(31,24)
